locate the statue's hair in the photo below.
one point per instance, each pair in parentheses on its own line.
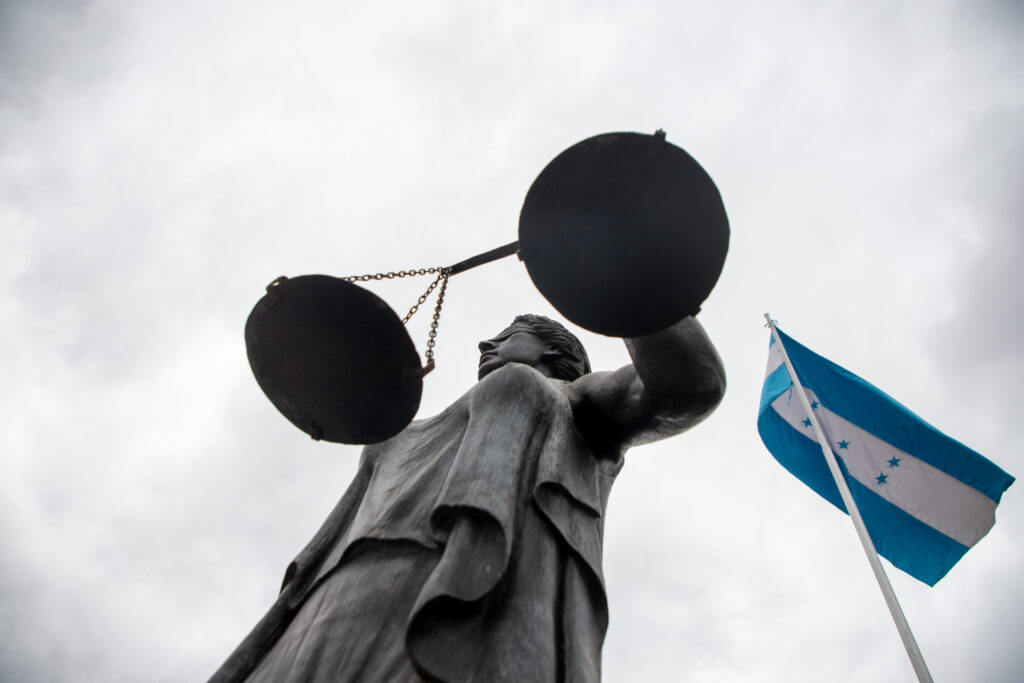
(572,361)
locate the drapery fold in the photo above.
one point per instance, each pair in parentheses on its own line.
(503,487)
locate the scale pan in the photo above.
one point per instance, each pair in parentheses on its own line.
(624,233)
(334,359)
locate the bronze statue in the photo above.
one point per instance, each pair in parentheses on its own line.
(468,546)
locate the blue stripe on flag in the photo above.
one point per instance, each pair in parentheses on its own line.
(798,454)
(908,543)
(875,411)
(775,385)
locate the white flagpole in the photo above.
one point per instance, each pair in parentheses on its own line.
(865,539)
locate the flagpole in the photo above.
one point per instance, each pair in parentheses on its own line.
(902,626)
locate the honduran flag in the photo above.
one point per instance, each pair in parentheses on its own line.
(926,499)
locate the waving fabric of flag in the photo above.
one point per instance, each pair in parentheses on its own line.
(926,499)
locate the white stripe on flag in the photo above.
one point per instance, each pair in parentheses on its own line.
(775,359)
(941,501)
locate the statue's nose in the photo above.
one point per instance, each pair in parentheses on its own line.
(486,345)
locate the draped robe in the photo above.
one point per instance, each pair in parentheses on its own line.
(467,548)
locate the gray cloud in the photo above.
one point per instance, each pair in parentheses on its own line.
(161,164)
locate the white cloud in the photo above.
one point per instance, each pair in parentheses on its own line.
(159,164)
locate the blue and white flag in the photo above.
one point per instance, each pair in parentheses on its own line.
(925,498)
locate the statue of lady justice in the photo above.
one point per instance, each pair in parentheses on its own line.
(468,547)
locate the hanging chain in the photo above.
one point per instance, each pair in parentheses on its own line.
(431,338)
(422,299)
(442,278)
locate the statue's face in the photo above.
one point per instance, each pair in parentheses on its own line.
(519,347)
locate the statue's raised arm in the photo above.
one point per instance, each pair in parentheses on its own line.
(676,380)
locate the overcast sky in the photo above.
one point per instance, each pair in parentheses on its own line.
(160,163)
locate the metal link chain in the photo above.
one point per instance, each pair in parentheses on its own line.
(443,274)
(421,300)
(393,275)
(431,338)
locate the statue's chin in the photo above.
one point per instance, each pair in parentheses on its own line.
(486,369)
